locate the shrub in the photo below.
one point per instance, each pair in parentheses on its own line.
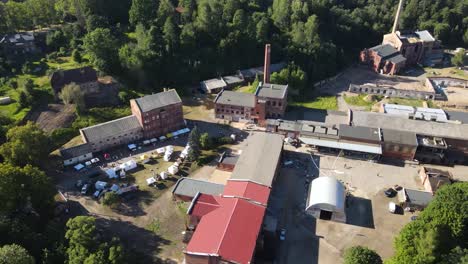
(361,255)
(111,199)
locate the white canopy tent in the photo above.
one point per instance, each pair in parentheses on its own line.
(128,165)
(327,199)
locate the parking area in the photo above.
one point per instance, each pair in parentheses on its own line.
(310,240)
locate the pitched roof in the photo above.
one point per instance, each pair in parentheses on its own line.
(247,190)
(421,198)
(235,98)
(75,151)
(216,83)
(154,101)
(270,90)
(80,75)
(190,187)
(108,129)
(229,231)
(429,128)
(396,58)
(384,50)
(258,160)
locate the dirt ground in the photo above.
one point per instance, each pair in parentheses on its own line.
(53,116)
(369,223)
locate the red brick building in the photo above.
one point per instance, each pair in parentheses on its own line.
(383,59)
(269,101)
(159,113)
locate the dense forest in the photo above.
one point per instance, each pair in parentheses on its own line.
(174,42)
(149,44)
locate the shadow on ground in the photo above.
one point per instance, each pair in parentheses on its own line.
(142,244)
(359,212)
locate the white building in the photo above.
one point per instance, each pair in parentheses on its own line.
(327,199)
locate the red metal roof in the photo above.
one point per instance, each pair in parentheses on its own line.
(248,190)
(230,231)
(204,204)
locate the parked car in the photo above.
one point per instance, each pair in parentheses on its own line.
(390,192)
(97,193)
(85,188)
(283,234)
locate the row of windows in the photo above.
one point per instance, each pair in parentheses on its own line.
(229,111)
(273,103)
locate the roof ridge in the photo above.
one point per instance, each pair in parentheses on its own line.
(228,224)
(111,121)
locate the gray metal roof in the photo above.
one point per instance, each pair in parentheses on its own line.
(359,132)
(75,151)
(397,58)
(461,117)
(111,128)
(190,187)
(384,50)
(425,36)
(429,128)
(154,101)
(342,144)
(416,197)
(233,79)
(258,160)
(232,160)
(216,83)
(235,98)
(269,90)
(400,137)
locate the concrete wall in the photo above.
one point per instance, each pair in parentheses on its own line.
(233,113)
(78,159)
(125,137)
(392,92)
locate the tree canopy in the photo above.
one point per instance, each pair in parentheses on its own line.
(439,232)
(15,254)
(25,145)
(361,255)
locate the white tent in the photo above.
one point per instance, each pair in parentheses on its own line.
(327,199)
(100,185)
(167,157)
(132,146)
(150,181)
(160,150)
(169,148)
(79,167)
(114,188)
(129,165)
(173,169)
(111,173)
(163,175)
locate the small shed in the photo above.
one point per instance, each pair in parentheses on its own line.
(327,199)
(414,198)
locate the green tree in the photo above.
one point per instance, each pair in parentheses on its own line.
(85,245)
(102,48)
(194,143)
(15,254)
(205,141)
(111,199)
(76,55)
(72,94)
(28,86)
(439,229)
(460,58)
(23,99)
(361,255)
(25,145)
(170,34)
(142,12)
(25,189)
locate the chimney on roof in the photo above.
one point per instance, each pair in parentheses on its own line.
(266,65)
(397,17)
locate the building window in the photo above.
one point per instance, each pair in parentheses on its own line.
(273,103)
(279,103)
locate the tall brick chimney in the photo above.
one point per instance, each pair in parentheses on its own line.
(266,65)
(397,16)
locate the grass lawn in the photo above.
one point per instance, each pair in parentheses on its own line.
(100,115)
(406,101)
(245,89)
(450,71)
(321,102)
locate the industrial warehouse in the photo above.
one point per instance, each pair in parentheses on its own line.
(399,132)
